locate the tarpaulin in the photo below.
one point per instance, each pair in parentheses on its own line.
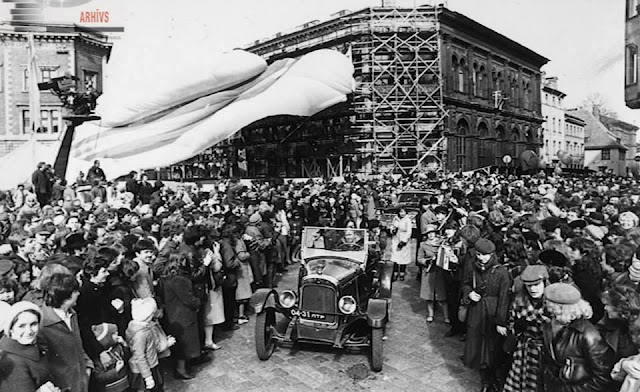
(172,120)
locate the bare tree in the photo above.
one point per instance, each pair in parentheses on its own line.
(598,101)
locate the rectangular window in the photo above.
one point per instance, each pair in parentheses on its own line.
(631,65)
(606,155)
(51,121)
(90,81)
(632,8)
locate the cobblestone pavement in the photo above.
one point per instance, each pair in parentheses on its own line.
(417,357)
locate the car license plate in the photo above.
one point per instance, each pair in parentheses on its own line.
(310,315)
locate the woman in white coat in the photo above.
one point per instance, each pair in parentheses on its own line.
(400,248)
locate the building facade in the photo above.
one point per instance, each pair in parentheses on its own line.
(435,91)
(553,130)
(60,50)
(574,139)
(632,43)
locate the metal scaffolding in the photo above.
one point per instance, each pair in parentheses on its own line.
(399,101)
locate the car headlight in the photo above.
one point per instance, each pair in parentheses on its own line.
(347,304)
(287,299)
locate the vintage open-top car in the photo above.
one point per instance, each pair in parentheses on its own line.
(342,300)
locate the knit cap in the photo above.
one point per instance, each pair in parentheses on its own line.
(634,270)
(104,334)
(143,309)
(14,311)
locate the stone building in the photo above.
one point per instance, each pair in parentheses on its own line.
(435,90)
(60,50)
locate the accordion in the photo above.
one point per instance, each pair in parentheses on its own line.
(447,259)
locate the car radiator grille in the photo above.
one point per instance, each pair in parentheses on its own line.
(319,299)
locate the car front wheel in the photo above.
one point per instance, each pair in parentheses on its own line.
(376,349)
(265,324)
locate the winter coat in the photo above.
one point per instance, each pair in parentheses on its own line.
(484,345)
(577,359)
(144,348)
(41,183)
(401,255)
(181,316)
(105,377)
(121,289)
(66,356)
(93,308)
(432,286)
(22,368)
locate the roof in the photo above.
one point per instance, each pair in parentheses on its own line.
(596,135)
(614,122)
(52,30)
(573,119)
(485,34)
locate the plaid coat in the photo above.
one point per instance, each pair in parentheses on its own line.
(525,322)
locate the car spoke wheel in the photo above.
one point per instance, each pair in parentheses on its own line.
(376,349)
(265,325)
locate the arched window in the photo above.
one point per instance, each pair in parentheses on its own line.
(482,80)
(454,72)
(462,75)
(502,141)
(485,148)
(475,78)
(513,97)
(462,130)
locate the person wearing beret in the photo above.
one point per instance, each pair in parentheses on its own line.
(485,290)
(23,366)
(575,356)
(526,319)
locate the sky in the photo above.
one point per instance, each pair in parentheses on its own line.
(584,39)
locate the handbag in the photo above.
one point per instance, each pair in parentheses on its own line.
(164,350)
(463,309)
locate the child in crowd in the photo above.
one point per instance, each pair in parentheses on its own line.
(144,345)
(111,373)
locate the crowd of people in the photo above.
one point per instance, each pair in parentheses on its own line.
(102,285)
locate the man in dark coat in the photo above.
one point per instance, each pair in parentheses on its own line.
(96,172)
(485,290)
(132,185)
(41,184)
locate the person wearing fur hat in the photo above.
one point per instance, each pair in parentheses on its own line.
(485,291)
(526,319)
(575,357)
(23,366)
(111,373)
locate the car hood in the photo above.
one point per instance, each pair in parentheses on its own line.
(332,268)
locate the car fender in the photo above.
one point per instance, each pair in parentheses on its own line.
(376,312)
(386,275)
(264,298)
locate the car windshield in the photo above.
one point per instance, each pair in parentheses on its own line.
(337,240)
(410,197)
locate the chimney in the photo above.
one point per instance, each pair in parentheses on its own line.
(596,112)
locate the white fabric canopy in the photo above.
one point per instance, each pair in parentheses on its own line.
(165,123)
(17,166)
